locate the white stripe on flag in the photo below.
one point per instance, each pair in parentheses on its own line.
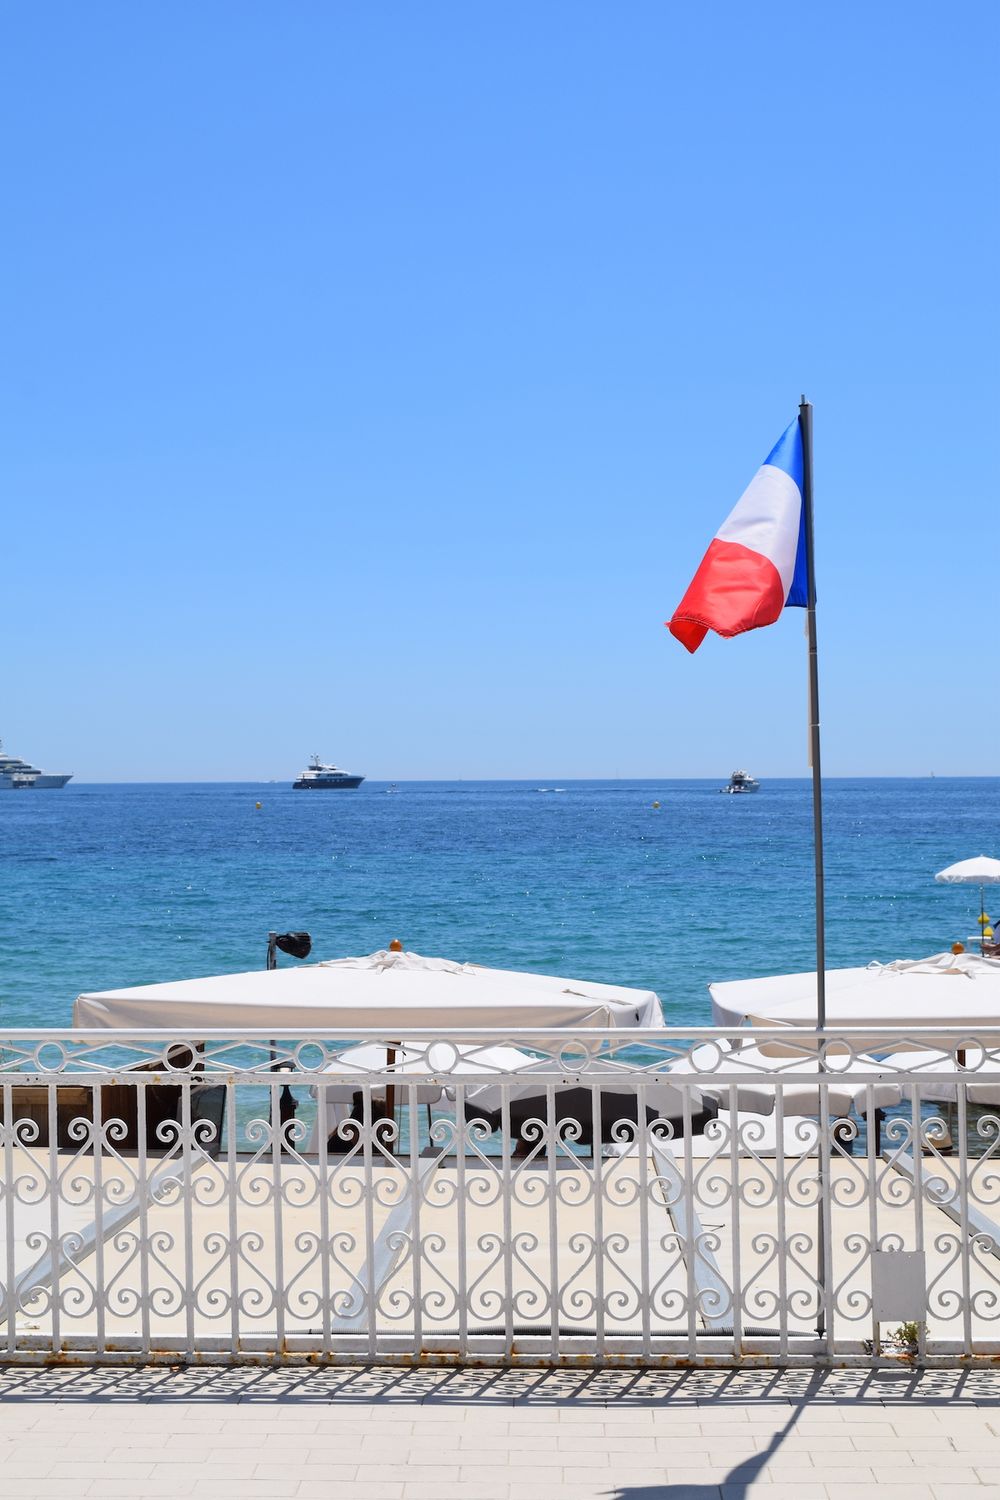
(766,519)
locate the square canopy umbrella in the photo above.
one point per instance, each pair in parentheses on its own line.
(382,992)
(385,994)
(945,990)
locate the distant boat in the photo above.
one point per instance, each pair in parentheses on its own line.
(17,776)
(392,787)
(322,778)
(741,781)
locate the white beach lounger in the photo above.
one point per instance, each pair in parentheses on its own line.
(939,1076)
(575,1099)
(847,1086)
(435,1061)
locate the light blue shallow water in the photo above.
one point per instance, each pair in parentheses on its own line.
(113,885)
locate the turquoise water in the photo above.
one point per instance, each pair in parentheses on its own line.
(113,885)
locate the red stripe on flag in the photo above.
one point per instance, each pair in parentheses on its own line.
(733,590)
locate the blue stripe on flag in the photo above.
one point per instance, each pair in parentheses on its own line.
(798,594)
(787,456)
(787,453)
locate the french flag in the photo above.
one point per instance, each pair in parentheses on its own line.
(756,565)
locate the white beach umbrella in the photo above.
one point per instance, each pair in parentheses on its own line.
(942,990)
(980,871)
(983,870)
(384,992)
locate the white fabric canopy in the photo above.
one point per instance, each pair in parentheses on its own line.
(942,990)
(979,871)
(383,991)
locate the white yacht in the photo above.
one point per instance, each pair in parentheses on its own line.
(741,781)
(321,778)
(17,775)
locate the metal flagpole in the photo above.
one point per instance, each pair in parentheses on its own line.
(805,424)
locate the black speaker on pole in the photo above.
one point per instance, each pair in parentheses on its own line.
(296,945)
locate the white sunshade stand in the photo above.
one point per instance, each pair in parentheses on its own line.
(382,992)
(980,871)
(942,990)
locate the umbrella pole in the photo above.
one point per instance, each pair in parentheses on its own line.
(390,1088)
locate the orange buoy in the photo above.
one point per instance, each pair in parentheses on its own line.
(395,946)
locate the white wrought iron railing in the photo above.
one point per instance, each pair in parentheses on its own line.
(680,1196)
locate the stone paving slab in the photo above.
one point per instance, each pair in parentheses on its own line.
(390,1434)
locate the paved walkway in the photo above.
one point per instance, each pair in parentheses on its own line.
(380,1434)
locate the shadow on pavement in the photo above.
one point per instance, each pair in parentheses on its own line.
(370,1385)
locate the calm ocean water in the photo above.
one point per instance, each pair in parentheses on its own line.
(113,885)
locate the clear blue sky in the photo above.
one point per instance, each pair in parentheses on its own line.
(375,376)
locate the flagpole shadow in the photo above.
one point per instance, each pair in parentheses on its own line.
(744,1473)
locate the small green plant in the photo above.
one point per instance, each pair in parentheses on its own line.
(907,1334)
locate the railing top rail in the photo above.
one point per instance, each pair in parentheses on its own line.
(621,1037)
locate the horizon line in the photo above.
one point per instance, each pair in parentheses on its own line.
(529,780)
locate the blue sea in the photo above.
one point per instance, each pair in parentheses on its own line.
(106,886)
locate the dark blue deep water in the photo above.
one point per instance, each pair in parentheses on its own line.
(113,885)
